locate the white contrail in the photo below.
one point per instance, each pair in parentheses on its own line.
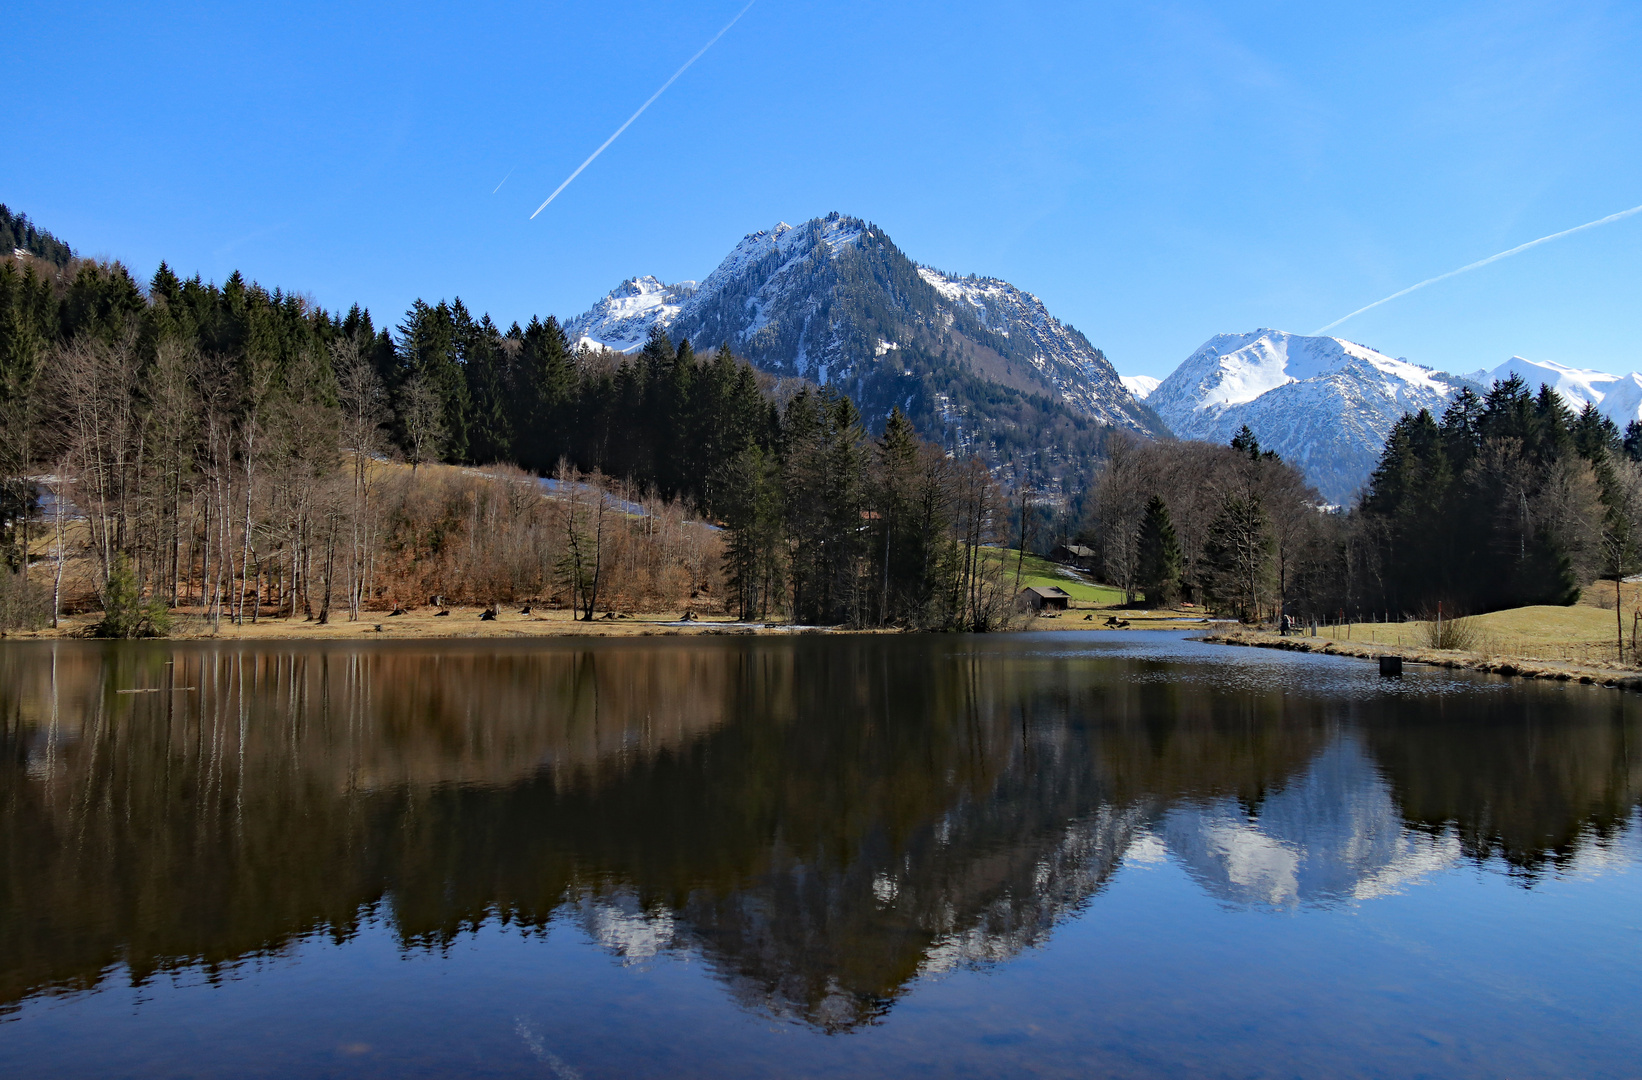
(510,172)
(1483,262)
(641,108)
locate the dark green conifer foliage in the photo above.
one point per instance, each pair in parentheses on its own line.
(1474,512)
(1633,440)
(1595,437)
(27,328)
(751,508)
(429,355)
(1245,442)
(125,613)
(544,414)
(18,233)
(823,457)
(491,382)
(1160,558)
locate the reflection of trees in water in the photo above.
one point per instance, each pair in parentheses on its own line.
(1551,772)
(285,791)
(821,820)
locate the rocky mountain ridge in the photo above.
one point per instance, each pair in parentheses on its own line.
(973,361)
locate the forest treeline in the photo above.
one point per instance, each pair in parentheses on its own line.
(1507,499)
(243,453)
(18,233)
(234,450)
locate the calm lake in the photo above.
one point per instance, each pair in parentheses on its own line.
(1014,855)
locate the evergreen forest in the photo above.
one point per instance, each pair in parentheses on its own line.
(244,453)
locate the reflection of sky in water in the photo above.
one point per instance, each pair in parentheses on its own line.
(1195,663)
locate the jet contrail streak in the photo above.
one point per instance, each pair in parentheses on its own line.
(1484,262)
(641,108)
(510,172)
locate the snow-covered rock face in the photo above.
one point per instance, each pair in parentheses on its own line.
(622,319)
(1324,404)
(1618,397)
(834,301)
(1064,358)
(1141,386)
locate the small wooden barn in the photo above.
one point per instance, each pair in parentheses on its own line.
(1045,598)
(1074,555)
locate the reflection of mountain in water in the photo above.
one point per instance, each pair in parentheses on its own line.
(1331,833)
(822,821)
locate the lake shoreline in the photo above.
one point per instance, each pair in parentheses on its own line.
(457,624)
(1519,667)
(463,623)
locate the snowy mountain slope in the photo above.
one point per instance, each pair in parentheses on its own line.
(1141,386)
(833,300)
(1619,397)
(1077,370)
(1322,403)
(622,319)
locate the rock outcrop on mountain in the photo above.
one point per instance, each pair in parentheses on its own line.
(973,361)
(1323,403)
(621,320)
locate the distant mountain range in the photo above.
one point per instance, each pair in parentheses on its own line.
(1328,404)
(1618,397)
(1322,403)
(973,361)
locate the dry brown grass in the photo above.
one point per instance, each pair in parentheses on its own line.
(1582,633)
(1594,672)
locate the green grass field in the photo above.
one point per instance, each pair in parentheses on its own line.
(1041,572)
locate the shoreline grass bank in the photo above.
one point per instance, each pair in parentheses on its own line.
(1589,673)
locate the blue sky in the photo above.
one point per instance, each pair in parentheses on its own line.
(1156,173)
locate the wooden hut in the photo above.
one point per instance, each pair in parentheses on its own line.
(1074,555)
(1045,598)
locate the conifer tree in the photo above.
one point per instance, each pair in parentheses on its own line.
(428,354)
(751,505)
(1159,555)
(1237,557)
(1633,440)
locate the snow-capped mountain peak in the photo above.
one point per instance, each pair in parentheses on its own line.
(1234,369)
(1323,403)
(835,301)
(1141,386)
(622,319)
(1618,397)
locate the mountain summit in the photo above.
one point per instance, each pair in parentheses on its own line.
(835,301)
(1618,397)
(1324,403)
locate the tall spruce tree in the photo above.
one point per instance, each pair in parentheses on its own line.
(1160,558)
(1237,559)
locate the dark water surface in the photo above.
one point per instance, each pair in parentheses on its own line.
(1029,855)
